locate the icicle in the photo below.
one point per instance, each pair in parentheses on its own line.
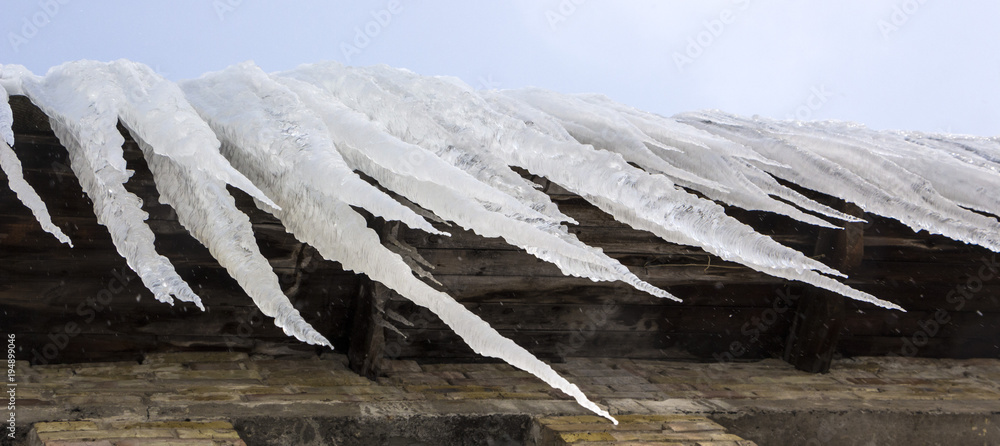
(191,176)
(749,188)
(243,119)
(967,180)
(734,165)
(209,213)
(861,157)
(15,179)
(677,134)
(358,248)
(622,190)
(155,109)
(720,162)
(81,103)
(770,186)
(608,131)
(464,200)
(277,129)
(833,166)
(361,92)
(373,140)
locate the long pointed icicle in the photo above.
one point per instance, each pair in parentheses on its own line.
(968,182)
(296,138)
(623,188)
(331,226)
(81,102)
(191,176)
(385,157)
(355,129)
(718,177)
(209,213)
(15,178)
(680,135)
(357,248)
(724,161)
(606,130)
(360,92)
(960,224)
(877,185)
(171,126)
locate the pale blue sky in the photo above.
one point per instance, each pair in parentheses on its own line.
(911,64)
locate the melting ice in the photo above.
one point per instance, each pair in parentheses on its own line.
(293,140)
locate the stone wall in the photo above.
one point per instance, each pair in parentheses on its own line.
(318,400)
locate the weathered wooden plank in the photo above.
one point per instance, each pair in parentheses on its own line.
(656,269)
(569,290)
(558,345)
(123,313)
(39,348)
(28,119)
(579,291)
(936,347)
(668,269)
(611,316)
(611,240)
(25,236)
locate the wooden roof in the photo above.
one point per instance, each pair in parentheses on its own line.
(730,312)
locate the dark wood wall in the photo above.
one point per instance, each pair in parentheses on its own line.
(43,283)
(730,312)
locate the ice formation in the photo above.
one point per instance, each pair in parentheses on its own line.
(15,178)
(293,140)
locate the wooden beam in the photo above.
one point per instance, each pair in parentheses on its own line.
(820,317)
(367,331)
(367,337)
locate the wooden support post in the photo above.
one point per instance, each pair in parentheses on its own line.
(367,345)
(820,316)
(367,330)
